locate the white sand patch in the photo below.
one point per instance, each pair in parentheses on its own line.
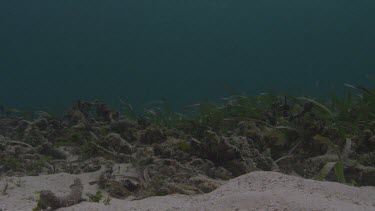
(253,191)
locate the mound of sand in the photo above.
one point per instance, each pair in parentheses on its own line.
(253,191)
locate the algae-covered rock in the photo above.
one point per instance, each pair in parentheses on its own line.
(366,142)
(173,148)
(217,148)
(49,149)
(123,125)
(116,143)
(34,137)
(126,129)
(237,167)
(117,189)
(251,154)
(236,154)
(152,136)
(23,126)
(166,176)
(357,173)
(143,156)
(204,184)
(49,199)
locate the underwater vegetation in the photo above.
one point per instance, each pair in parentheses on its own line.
(161,152)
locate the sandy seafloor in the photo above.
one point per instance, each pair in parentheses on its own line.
(254,191)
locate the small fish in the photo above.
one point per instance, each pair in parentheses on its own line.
(152,112)
(351,86)
(192,106)
(360,88)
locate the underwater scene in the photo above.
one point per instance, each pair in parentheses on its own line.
(187,105)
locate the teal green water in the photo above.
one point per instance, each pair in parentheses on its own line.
(55,52)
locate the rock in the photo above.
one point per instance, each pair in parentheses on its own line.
(75,116)
(117,189)
(47,148)
(366,142)
(143,156)
(355,172)
(173,148)
(204,184)
(237,167)
(49,199)
(123,125)
(21,127)
(116,143)
(34,136)
(217,149)
(152,136)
